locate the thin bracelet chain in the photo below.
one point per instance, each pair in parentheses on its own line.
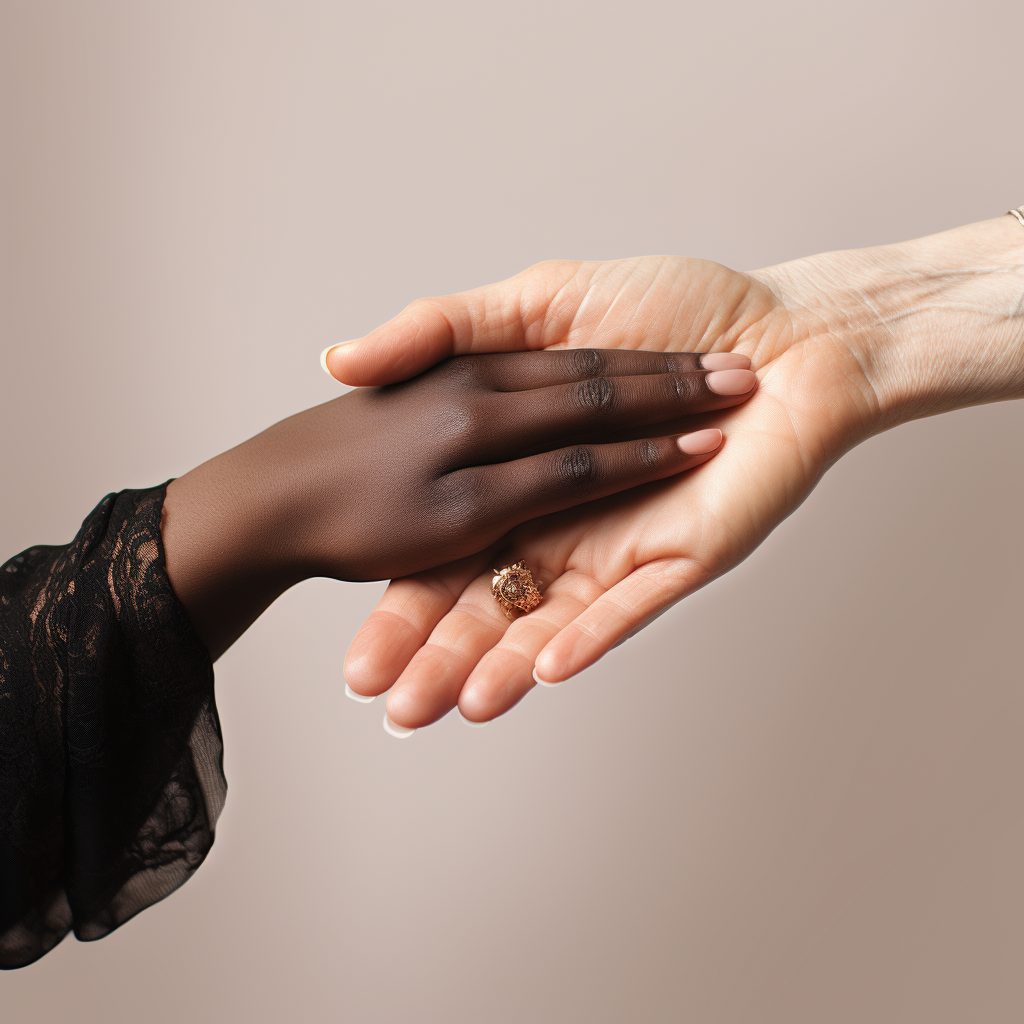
(1018,213)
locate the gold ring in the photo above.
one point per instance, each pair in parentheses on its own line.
(513,587)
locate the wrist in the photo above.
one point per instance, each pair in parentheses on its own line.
(936,323)
(230,538)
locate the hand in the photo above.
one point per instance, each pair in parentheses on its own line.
(386,481)
(844,345)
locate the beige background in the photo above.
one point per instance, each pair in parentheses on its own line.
(796,798)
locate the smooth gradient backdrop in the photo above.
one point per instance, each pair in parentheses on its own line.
(795,798)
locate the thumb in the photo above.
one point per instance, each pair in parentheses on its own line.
(503,317)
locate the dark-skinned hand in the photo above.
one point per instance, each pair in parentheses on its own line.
(383,482)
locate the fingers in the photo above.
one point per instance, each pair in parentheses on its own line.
(504,675)
(615,615)
(597,405)
(479,661)
(527,371)
(504,495)
(401,623)
(429,686)
(577,623)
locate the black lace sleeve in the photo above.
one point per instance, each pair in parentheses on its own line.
(111,774)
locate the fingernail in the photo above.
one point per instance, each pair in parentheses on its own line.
(541,682)
(731,382)
(700,442)
(725,361)
(362,698)
(329,349)
(400,732)
(476,725)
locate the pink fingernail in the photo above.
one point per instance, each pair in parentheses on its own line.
(731,382)
(700,442)
(725,361)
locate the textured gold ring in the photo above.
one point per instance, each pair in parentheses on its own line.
(1018,213)
(513,587)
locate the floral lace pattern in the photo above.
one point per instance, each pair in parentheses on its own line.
(111,768)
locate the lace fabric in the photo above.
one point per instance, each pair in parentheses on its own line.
(111,758)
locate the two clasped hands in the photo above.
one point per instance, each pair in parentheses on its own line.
(631,429)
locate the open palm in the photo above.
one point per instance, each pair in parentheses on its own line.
(438,639)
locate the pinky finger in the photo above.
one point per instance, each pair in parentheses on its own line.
(617,614)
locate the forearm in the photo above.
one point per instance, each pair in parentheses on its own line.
(936,323)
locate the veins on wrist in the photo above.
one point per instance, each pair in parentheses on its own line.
(937,323)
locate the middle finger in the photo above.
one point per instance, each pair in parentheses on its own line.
(594,409)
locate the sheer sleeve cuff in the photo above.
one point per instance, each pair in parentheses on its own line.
(111,757)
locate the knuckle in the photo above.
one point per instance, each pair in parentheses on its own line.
(648,452)
(577,465)
(595,393)
(421,321)
(460,424)
(419,316)
(422,308)
(587,362)
(462,498)
(684,388)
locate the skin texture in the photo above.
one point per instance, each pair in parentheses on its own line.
(844,345)
(386,481)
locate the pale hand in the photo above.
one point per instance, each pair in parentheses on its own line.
(844,345)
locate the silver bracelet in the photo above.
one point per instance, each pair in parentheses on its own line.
(1018,213)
